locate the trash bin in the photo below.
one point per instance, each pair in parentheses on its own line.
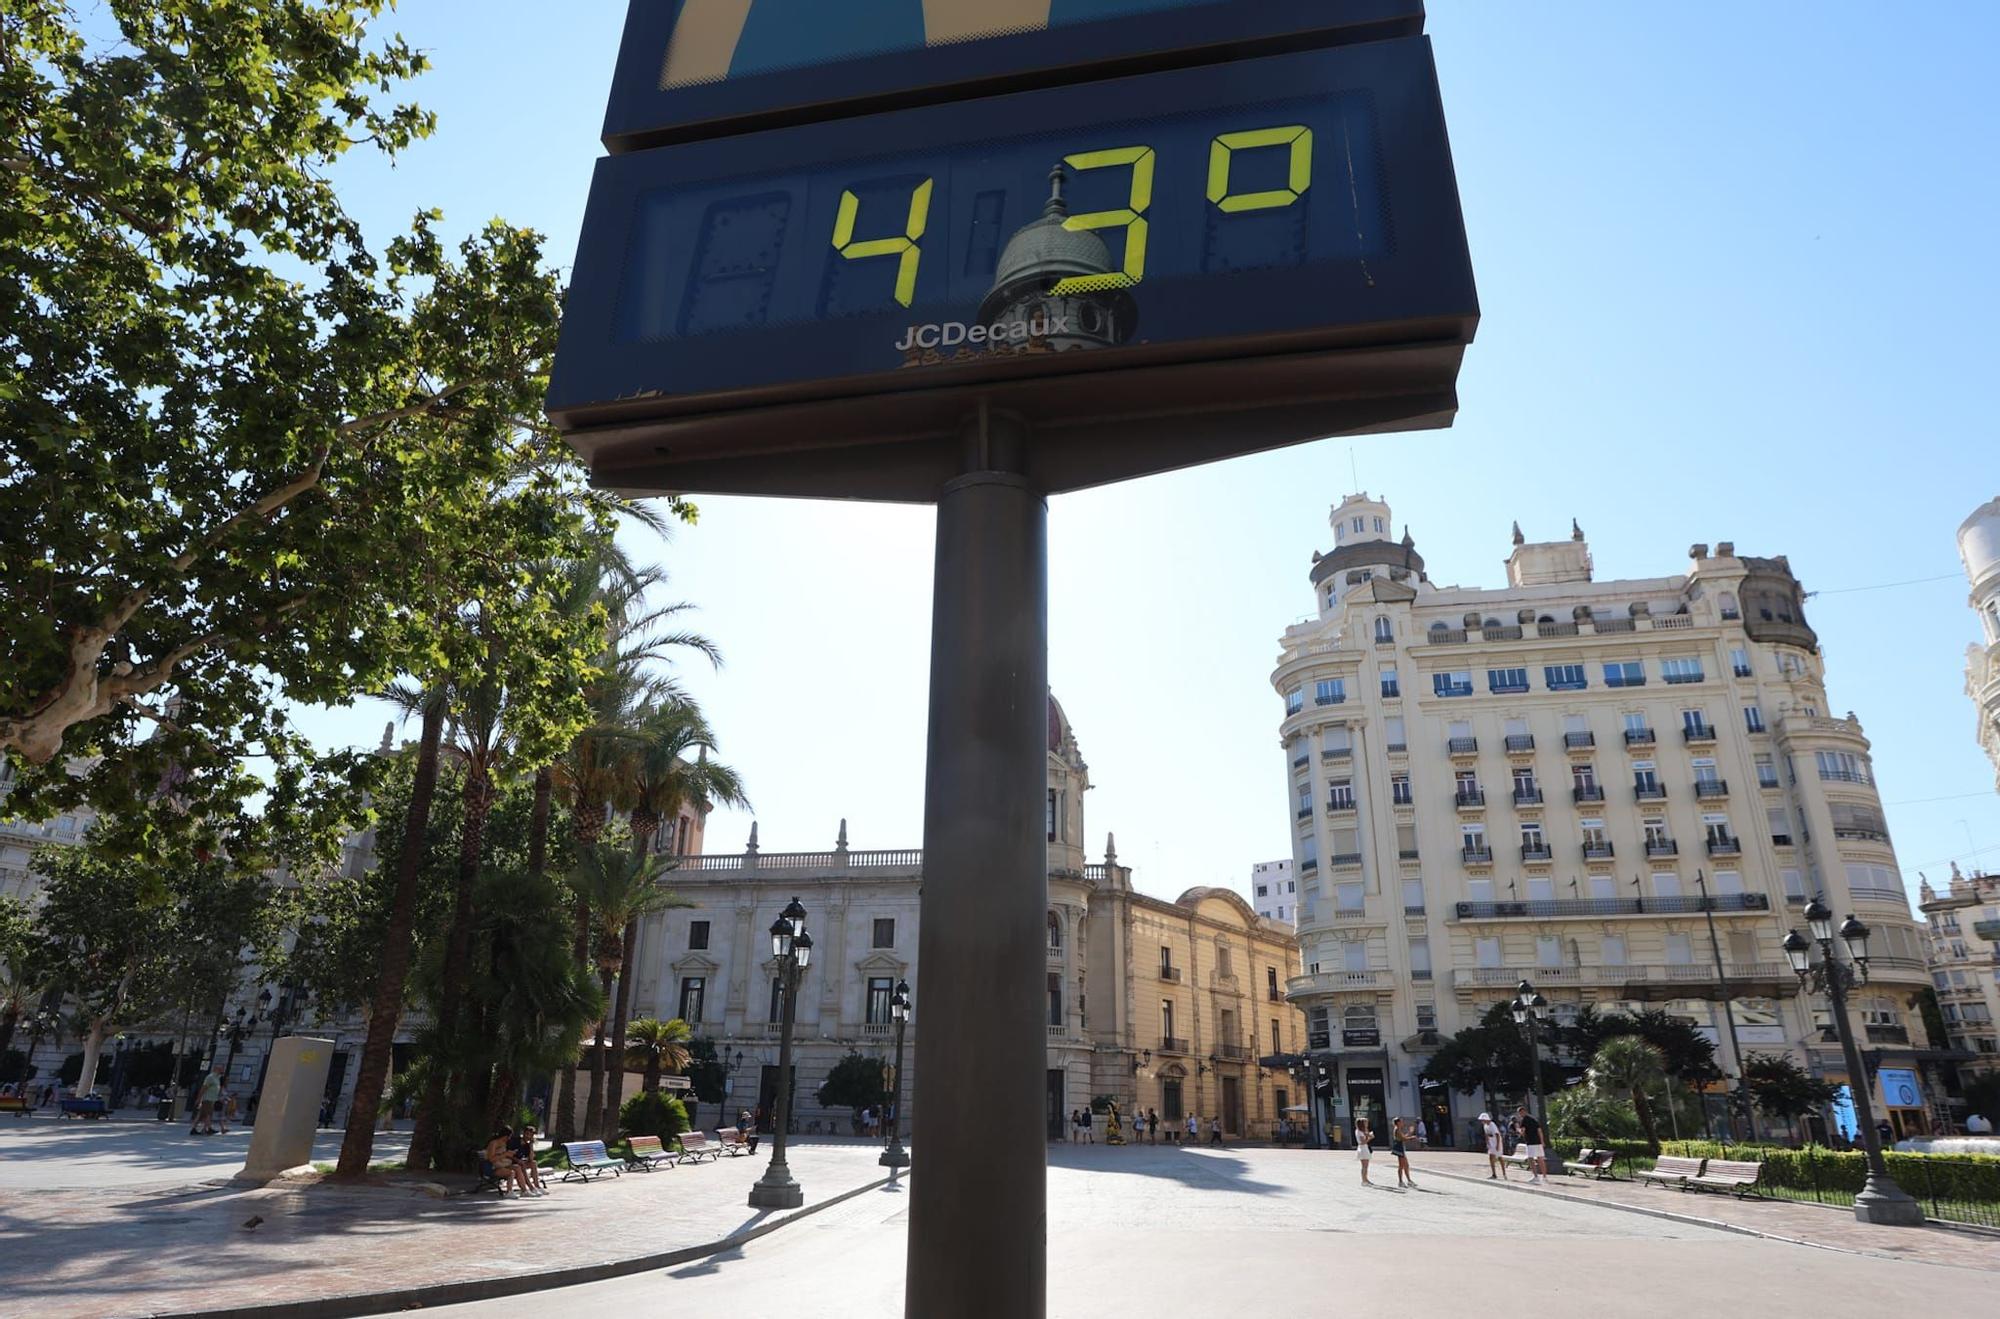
(165,1111)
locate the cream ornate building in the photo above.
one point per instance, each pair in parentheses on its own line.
(1979,549)
(1543,781)
(1166,1004)
(1965,963)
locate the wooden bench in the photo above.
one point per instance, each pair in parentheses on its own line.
(16,1104)
(1736,1176)
(1672,1170)
(588,1159)
(88,1107)
(734,1140)
(695,1147)
(1592,1163)
(648,1153)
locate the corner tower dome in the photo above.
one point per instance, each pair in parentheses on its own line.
(1359,518)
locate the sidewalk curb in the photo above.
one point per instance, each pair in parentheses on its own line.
(486,1289)
(1669,1215)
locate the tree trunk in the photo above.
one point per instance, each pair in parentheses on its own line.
(593,1106)
(93,1048)
(587,822)
(443,1083)
(620,1019)
(1645,1113)
(8,1021)
(538,822)
(652,1081)
(398,941)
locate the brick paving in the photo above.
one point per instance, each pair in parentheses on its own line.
(1818,1225)
(152,1250)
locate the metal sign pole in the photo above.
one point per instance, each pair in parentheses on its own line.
(978,1214)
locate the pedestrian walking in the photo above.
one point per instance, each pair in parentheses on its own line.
(1214,1130)
(1529,1129)
(205,1096)
(1423,1134)
(1153,1123)
(1088,1125)
(1489,1131)
(1193,1129)
(1138,1125)
(226,1107)
(1398,1146)
(1364,1146)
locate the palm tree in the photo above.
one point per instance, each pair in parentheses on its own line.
(619,888)
(1628,1065)
(656,1047)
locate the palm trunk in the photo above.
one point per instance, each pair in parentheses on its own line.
(478,796)
(593,1106)
(1645,1113)
(620,1019)
(652,1081)
(587,821)
(538,822)
(358,1146)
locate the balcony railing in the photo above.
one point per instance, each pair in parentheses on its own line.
(1989,930)
(1725,847)
(1649,792)
(1507,632)
(1543,908)
(1232,1053)
(1171,974)
(1469,801)
(1339,805)
(1055,1032)
(1781,840)
(1845,776)
(1527,796)
(1462,746)
(1406,854)
(1345,859)
(1337,753)
(1555,629)
(1591,793)
(1711,788)
(1309,866)
(1305,812)
(1597,851)
(1400,796)
(1476,856)
(1741,670)
(1300,762)
(1678,678)
(1577,741)
(1397,748)
(1861,834)
(1698,732)
(1662,847)
(1173,1044)
(1604,625)
(1518,742)
(1640,737)
(1888,1034)
(1774,974)
(1333,982)
(1532,852)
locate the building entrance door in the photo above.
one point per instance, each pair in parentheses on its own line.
(1232,1106)
(1058,1115)
(1367,1098)
(1435,1110)
(767,1097)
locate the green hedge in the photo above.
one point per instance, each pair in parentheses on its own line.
(1971,1178)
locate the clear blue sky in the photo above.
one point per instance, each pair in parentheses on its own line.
(1738,284)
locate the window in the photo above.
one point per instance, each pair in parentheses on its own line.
(1406,841)
(1603,888)
(880,990)
(1611,950)
(1564,677)
(1413,895)
(1666,885)
(1864,878)
(1635,723)
(1271,983)
(697,934)
(1657,838)
(1336,742)
(1541,888)
(1346,846)
(1277,1046)
(777,1001)
(1378,526)
(1753,719)
(1427,1016)
(1694,723)
(1507,680)
(885,932)
(1167,1019)
(1055,931)
(1584,778)
(1295,700)
(1340,795)
(1395,732)
(1781,825)
(1384,631)
(1525,787)
(1051,815)
(1354,955)
(1680,950)
(1055,999)
(1317,1024)
(1223,966)
(1420,958)
(1681,669)
(1645,779)
(1466,783)
(1629,673)
(1593,834)
(1516,728)
(1739,661)
(1486,950)
(1474,836)
(1347,898)
(1305,800)
(1727,600)
(1358,524)
(1548,950)
(693,989)
(1730,885)
(1480,890)
(1453,682)
(1166,964)
(1790,665)
(1390,687)
(1842,767)
(1358,1016)
(1767,772)
(1704,770)
(1329,691)
(1309,855)
(1263,890)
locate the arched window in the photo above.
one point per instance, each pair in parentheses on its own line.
(1439,627)
(1055,930)
(1490,622)
(1384,632)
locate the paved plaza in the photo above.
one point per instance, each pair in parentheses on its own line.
(113,1220)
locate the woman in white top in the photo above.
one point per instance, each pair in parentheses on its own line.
(1495,1169)
(1364,1139)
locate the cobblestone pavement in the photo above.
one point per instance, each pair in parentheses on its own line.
(42,1153)
(1821,1225)
(1134,1234)
(103,1251)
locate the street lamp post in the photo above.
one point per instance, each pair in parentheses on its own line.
(792,947)
(894,1155)
(1880,1199)
(1530,1009)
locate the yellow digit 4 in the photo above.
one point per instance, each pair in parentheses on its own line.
(1299,175)
(1132,218)
(906,248)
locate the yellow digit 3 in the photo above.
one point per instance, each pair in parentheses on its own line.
(1131,217)
(907,249)
(1298,175)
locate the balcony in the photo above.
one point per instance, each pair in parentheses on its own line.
(1407,854)
(1333,982)
(1601,626)
(1845,776)
(1536,853)
(1471,800)
(1400,796)
(1578,741)
(1649,792)
(1888,1034)
(1462,746)
(1445,636)
(1339,698)
(1710,789)
(1417,910)
(1860,834)
(1694,734)
(1547,908)
(1725,847)
(1586,794)
(1476,856)
(1781,840)
(1340,805)
(1336,753)
(1527,796)
(1300,762)
(1741,671)
(1055,1032)
(1309,866)
(1678,679)
(1172,1044)
(1662,847)
(1769,784)
(1655,982)
(1640,737)
(1305,812)
(1989,930)
(1517,743)
(1506,632)
(1597,851)
(1397,748)
(1171,974)
(1345,858)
